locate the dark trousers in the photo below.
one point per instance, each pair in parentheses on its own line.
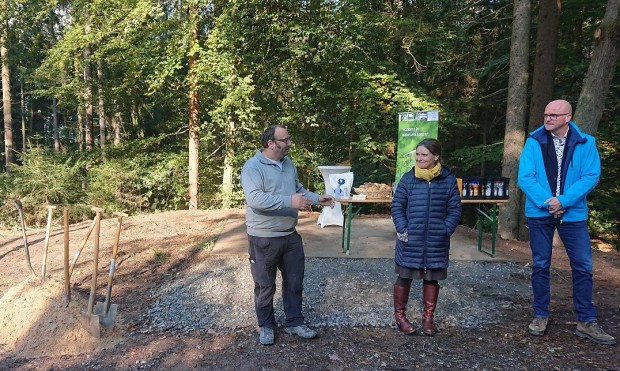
(267,254)
(576,239)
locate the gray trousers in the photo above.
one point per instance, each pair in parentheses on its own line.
(267,254)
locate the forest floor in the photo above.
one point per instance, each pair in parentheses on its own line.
(39,330)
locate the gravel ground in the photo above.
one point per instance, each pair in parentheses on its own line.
(217,295)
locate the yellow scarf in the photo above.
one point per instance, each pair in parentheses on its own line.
(428,174)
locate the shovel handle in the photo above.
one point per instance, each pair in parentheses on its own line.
(93,285)
(120,217)
(48,229)
(20,210)
(77,253)
(66,254)
(108,295)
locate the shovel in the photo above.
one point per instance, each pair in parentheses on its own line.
(66,255)
(77,253)
(89,320)
(22,220)
(48,229)
(105,310)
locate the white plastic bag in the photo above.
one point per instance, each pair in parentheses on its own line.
(348,183)
(334,216)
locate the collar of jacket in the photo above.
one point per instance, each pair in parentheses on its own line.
(575,136)
(262,158)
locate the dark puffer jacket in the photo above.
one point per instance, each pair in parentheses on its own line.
(430,213)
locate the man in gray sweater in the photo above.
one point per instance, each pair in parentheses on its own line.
(274,196)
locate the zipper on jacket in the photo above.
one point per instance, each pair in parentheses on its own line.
(428,197)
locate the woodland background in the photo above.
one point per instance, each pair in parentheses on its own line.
(145,105)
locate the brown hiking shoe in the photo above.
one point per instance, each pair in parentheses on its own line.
(591,330)
(538,326)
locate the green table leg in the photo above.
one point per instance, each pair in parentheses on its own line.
(479,226)
(494,220)
(345,217)
(349,214)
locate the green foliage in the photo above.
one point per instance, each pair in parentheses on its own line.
(206,246)
(113,186)
(43,178)
(467,159)
(8,212)
(138,176)
(6,185)
(46,178)
(160,256)
(374,143)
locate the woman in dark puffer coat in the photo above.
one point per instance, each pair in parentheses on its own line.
(426,209)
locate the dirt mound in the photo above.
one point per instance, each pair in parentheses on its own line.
(35,322)
(34,318)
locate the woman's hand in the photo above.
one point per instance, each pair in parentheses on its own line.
(404,237)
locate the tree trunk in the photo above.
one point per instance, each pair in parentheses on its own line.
(88,105)
(23,114)
(545,60)
(80,127)
(227,178)
(9,156)
(515,116)
(601,70)
(31,125)
(193,105)
(116,128)
(100,108)
(55,133)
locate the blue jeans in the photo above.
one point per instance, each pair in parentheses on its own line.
(267,255)
(576,239)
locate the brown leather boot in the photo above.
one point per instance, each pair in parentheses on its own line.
(401,296)
(430,292)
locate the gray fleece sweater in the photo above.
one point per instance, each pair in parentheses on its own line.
(268,190)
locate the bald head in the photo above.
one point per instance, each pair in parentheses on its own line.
(558,114)
(559,105)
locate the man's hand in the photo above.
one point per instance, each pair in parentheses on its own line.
(554,206)
(300,202)
(327,200)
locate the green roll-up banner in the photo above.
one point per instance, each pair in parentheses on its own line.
(413,127)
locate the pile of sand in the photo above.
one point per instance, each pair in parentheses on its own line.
(35,321)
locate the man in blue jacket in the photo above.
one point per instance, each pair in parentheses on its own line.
(273,196)
(559,167)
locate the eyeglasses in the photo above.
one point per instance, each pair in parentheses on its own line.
(554,116)
(285,140)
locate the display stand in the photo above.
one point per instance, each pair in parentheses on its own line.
(331,216)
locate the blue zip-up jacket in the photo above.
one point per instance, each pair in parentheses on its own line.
(430,213)
(581,170)
(268,193)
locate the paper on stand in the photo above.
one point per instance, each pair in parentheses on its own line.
(348,182)
(334,216)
